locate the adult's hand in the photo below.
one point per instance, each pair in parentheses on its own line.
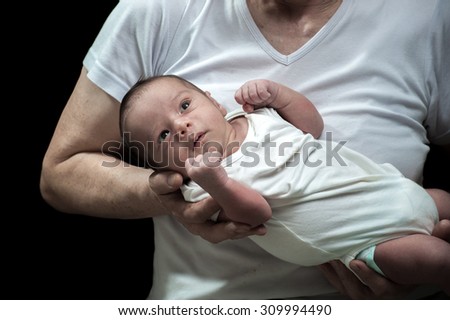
(195,216)
(375,286)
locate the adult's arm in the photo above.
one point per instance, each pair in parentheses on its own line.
(82,171)
(188,212)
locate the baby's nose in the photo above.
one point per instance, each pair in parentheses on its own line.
(182,127)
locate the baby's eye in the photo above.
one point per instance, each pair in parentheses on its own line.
(163,135)
(185,105)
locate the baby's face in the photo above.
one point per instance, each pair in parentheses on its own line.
(175,122)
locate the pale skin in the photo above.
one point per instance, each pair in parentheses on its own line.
(74,178)
(410,260)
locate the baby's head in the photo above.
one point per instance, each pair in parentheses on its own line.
(165,119)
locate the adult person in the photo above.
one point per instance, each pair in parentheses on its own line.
(359,62)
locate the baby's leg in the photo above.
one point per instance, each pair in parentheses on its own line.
(442,230)
(442,200)
(415,259)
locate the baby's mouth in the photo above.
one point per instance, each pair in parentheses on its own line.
(198,139)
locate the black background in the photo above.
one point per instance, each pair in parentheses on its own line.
(47,254)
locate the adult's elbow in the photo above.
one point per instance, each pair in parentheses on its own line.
(47,186)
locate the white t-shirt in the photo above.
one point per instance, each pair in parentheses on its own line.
(328,202)
(378,72)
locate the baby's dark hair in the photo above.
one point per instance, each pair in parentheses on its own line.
(136,151)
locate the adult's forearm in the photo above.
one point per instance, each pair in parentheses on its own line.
(98,185)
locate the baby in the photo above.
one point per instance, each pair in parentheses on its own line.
(264,164)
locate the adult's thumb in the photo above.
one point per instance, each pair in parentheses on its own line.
(165,182)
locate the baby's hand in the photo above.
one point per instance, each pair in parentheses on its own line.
(255,94)
(205,169)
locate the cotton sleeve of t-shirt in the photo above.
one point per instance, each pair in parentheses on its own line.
(132,43)
(438,119)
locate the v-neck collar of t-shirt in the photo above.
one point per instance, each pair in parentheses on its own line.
(303,50)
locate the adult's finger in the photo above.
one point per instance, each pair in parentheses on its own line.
(379,286)
(370,284)
(218,232)
(196,212)
(332,277)
(353,287)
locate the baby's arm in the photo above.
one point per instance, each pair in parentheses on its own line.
(290,104)
(239,203)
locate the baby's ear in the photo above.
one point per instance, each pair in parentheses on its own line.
(218,105)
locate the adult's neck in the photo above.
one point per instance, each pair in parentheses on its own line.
(294,8)
(289,24)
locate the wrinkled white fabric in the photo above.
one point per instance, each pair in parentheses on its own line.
(328,202)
